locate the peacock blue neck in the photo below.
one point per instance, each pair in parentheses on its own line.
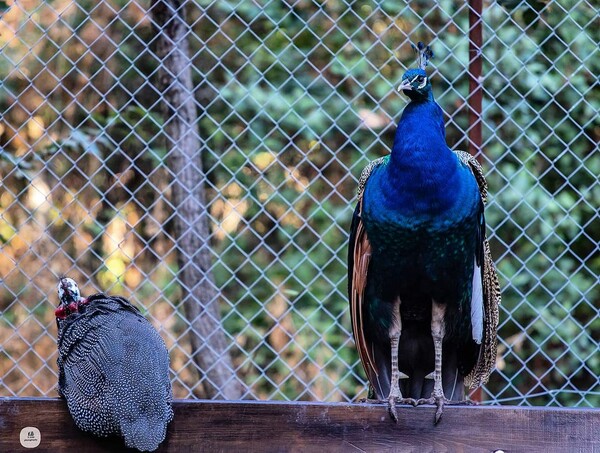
(422,172)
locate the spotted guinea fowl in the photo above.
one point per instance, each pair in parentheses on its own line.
(113,368)
(423,289)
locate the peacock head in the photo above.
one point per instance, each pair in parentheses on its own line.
(415,83)
(69,298)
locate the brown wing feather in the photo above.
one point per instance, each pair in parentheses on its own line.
(359,273)
(362,257)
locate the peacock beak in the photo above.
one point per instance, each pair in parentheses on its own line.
(405,85)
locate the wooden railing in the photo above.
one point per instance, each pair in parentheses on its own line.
(248,426)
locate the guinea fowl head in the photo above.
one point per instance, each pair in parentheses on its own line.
(415,83)
(69,298)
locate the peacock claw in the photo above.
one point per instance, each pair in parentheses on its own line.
(440,402)
(407,401)
(438,412)
(392,410)
(371,401)
(392,401)
(391,404)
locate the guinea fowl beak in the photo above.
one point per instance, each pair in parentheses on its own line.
(405,85)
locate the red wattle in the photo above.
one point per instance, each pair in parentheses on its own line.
(60,312)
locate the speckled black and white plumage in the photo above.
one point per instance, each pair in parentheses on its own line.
(114,372)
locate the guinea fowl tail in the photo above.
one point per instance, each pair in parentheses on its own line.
(143,433)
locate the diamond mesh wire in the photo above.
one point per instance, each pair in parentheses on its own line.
(294,98)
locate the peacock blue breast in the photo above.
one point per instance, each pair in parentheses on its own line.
(422,238)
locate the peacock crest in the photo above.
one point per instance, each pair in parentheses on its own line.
(424,54)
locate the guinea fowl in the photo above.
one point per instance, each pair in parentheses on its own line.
(113,368)
(423,289)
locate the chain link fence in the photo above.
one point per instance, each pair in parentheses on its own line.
(293,99)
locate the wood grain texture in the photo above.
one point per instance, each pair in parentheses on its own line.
(272,426)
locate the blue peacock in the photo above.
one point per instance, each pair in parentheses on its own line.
(423,288)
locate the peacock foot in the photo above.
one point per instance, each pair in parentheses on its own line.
(407,401)
(392,401)
(463,403)
(371,401)
(440,401)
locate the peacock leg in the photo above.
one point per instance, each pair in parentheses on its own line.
(395,394)
(438,329)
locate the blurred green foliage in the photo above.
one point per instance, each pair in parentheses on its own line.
(546,211)
(294,101)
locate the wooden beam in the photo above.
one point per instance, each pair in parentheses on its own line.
(275,426)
